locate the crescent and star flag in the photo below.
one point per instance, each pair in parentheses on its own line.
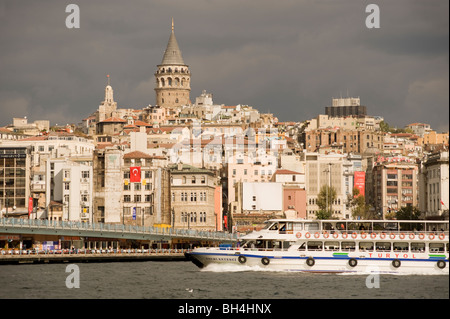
(135,174)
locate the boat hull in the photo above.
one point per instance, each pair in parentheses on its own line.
(420,264)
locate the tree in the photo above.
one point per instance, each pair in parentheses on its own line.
(325,199)
(408,213)
(358,205)
(323,214)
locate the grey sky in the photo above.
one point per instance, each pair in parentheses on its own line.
(287,57)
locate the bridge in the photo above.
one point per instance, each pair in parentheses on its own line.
(20,226)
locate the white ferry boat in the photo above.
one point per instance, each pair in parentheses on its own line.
(341,246)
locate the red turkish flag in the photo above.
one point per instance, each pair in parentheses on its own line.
(135,174)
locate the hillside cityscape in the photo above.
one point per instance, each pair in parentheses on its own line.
(191,162)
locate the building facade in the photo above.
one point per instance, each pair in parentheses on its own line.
(195,198)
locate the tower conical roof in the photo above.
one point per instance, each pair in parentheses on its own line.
(172,55)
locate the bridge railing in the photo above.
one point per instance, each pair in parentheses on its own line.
(114,228)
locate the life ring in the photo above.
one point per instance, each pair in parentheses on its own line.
(421,235)
(431,236)
(441,264)
(441,236)
(242,259)
(412,236)
(352,262)
(326,235)
(298,235)
(396,263)
(310,261)
(373,235)
(354,235)
(402,236)
(363,235)
(307,235)
(382,235)
(335,235)
(265,261)
(344,235)
(392,236)
(316,235)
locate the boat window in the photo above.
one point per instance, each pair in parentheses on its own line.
(298,227)
(400,246)
(417,247)
(274,244)
(274,227)
(282,227)
(311,226)
(366,246)
(348,246)
(267,225)
(446,245)
(436,247)
(383,246)
(302,247)
(331,245)
(315,245)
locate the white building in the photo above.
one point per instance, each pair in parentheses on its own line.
(434,185)
(70,183)
(325,170)
(262,197)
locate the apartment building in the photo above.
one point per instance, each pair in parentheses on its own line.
(395,181)
(196,198)
(15,164)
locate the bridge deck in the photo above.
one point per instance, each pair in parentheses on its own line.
(114,231)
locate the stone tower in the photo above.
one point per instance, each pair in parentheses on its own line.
(107,108)
(173,77)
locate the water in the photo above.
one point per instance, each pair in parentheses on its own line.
(183,280)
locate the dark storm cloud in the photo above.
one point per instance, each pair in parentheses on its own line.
(286,57)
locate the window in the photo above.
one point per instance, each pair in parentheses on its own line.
(147,198)
(193,179)
(437,247)
(137,198)
(404,247)
(348,246)
(193,197)
(203,180)
(127,198)
(417,247)
(363,246)
(315,245)
(66,186)
(173,197)
(85,174)
(332,246)
(137,186)
(383,246)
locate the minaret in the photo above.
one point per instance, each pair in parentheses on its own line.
(173,77)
